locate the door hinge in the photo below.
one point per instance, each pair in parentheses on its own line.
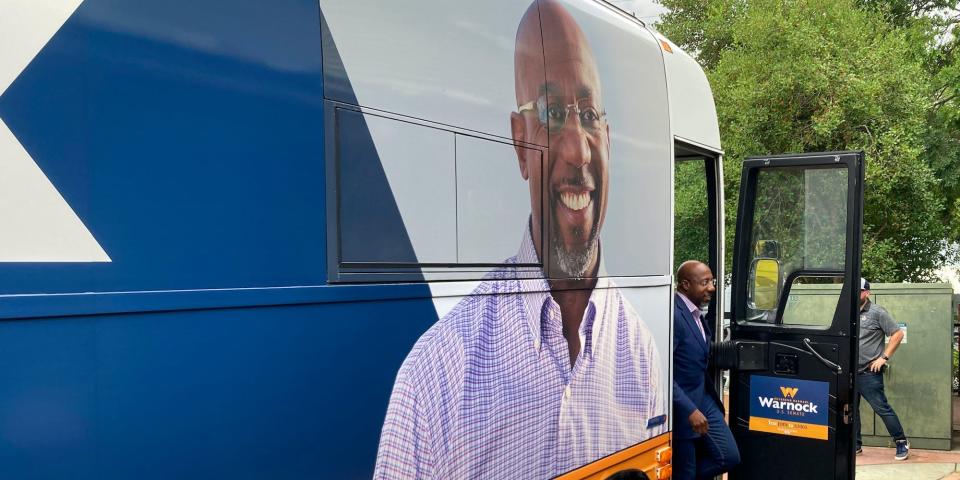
(846,414)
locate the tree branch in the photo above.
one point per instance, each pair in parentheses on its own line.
(943,101)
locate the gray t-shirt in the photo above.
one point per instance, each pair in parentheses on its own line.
(875,325)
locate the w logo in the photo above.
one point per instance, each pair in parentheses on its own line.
(789,392)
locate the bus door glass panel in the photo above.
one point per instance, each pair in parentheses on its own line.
(798,234)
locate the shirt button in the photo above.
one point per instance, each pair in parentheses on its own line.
(566,392)
(536,344)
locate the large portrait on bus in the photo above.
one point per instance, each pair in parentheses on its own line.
(526,148)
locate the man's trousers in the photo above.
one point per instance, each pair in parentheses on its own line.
(708,455)
(870,386)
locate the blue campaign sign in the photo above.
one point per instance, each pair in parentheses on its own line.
(789,406)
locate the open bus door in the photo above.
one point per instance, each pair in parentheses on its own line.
(794,312)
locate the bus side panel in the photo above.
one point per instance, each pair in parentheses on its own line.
(271,392)
(193,145)
(185,136)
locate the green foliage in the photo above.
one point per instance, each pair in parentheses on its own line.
(691,222)
(956,361)
(823,75)
(956,367)
(801,210)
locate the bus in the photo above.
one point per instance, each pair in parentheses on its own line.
(418,239)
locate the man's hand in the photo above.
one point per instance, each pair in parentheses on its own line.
(698,422)
(877,364)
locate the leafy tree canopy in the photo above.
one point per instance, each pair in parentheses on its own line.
(880,76)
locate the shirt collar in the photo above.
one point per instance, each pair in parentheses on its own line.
(601,307)
(692,307)
(535,296)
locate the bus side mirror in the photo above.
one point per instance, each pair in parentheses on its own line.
(765,283)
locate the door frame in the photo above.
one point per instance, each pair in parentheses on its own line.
(837,331)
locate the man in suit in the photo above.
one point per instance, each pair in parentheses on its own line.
(703,444)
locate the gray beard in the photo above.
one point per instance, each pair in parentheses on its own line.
(574,263)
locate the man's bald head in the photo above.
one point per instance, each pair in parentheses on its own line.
(688,270)
(695,281)
(560,39)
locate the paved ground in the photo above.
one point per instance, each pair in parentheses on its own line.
(877,463)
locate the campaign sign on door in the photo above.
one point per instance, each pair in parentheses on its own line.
(793,407)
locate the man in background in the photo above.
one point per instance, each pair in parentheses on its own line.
(875,325)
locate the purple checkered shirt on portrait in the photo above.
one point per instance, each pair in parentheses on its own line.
(488,391)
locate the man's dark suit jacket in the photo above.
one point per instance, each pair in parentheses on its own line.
(691,388)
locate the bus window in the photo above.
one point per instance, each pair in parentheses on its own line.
(493,200)
(414,199)
(379,158)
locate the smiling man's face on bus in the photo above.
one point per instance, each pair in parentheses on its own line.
(565,113)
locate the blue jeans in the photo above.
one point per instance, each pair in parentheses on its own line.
(708,455)
(871,388)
